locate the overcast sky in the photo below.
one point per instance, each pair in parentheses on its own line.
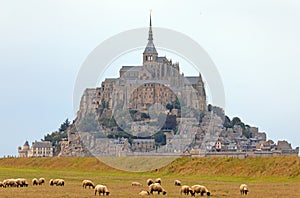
(254,44)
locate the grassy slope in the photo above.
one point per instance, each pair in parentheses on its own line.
(221,175)
(288,166)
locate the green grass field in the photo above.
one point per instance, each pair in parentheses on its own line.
(266,177)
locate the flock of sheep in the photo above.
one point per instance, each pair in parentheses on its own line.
(153,186)
(21,182)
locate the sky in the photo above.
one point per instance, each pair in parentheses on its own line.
(254,44)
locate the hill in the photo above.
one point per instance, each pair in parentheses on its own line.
(286,166)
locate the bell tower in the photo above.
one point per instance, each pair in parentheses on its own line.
(150,53)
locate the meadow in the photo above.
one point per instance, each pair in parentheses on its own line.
(266,177)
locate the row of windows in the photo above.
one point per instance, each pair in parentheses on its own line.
(39,152)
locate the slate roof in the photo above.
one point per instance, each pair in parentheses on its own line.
(191,79)
(131,68)
(44,144)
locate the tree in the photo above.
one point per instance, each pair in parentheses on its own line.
(160,138)
(169,107)
(64,125)
(177,104)
(227,122)
(209,107)
(235,121)
(57,136)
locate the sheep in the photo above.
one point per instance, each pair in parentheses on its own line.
(51,182)
(42,181)
(60,182)
(9,183)
(1,185)
(158,180)
(244,189)
(156,187)
(21,182)
(136,184)
(149,182)
(88,183)
(186,190)
(35,181)
(199,189)
(144,193)
(57,182)
(5,183)
(177,182)
(101,189)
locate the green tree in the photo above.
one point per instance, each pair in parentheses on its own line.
(160,138)
(177,104)
(169,107)
(64,125)
(227,122)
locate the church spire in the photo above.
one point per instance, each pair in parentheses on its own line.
(150,37)
(150,52)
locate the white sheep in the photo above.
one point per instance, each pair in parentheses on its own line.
(156,187)
(42,181)
(199,189)
(244,189)
(186,190)
(60,182)
(149,182)
(5,183)
(51,182)
(57,182)
(158,180)
(21,182)
(1,185)
(10,183)
(177,182)
(144,193)
(87,183)
(101,189)
(35,181)
(136,184)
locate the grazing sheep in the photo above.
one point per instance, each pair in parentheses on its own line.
(1,185)
(177,182)
(156,187)
(9,183)
(35,181)
(60,182)
(88,183)
(101,189)
(244,189)
(42,181)
(136,184)
(199,189)
(21,182)
(149,182)
(144,193)
(57,182)
(186,190)
(5,183)
(158,180)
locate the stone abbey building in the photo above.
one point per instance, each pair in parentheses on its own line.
(157,81)
(123,117)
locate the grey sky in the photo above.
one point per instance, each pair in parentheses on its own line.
(254,44)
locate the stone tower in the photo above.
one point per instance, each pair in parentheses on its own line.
(150,53)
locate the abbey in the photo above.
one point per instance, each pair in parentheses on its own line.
(153,109)
(157,81)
